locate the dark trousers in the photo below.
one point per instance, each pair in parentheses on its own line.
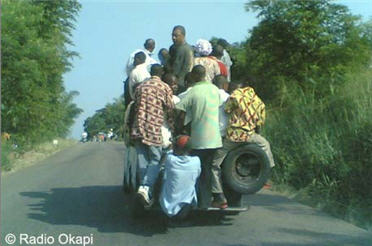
(204,187)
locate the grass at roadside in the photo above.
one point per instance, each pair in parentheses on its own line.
(322,147)
(353,213)
(13,159)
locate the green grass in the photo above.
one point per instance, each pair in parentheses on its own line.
(323,146)
(14,159)
(5,156)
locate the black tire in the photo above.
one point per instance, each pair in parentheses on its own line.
(131,172)
(246,169)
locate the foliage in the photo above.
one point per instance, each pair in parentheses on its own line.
(35,106)
(310,43)
(311,61)
(324,145)
(111,116)
(5,153)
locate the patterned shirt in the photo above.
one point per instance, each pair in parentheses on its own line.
(153,104)
(247,111)
(211,67)
(221,65)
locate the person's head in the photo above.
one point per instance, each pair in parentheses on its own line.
(203,47)
(235,85)
(223,43)
(189,80)
(182,145)
(157,70)
(163,55)
(193,48)
(149,44)
(171,80)
(178,35)
(220,81)
(198,73)
(217,51)
(139,58)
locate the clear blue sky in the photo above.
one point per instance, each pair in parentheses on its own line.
(107,31)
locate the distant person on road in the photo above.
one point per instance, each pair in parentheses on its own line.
(180,176)
(110,134)
(84,137)
(138,74)
(181,56)
(247,115)
(204,49)
(153,105)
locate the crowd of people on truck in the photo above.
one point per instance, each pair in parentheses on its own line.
(185,110)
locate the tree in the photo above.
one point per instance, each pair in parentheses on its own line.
(35,105)
(303,42)
(111,116)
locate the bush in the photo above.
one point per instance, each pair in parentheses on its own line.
(5,152)
(325,145)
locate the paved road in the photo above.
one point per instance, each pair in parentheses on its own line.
(78,192)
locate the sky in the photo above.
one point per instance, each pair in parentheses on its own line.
(107,31)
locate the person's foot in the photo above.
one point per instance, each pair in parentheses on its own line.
(184,212)
(219,201)
(143,193)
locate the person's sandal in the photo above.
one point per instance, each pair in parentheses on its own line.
(221,204)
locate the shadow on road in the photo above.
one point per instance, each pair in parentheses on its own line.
(312,238)
(279,203)
(104,208)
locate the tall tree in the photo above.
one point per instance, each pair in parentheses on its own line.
(304,41)
(34,58)
(109,117)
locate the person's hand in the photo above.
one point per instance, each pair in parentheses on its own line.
(257,129)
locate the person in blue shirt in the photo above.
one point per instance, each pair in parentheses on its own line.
(180,177)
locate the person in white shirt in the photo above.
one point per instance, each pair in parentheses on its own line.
(220,81)
(138,74)
(149,47)
(226,57)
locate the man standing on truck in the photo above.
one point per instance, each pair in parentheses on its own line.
(181,56)
(153,105)
(247,115)
(149,47)
(202,106)
(138,74)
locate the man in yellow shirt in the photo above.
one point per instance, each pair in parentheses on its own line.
(247,115)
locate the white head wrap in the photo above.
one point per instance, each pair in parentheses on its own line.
(203,47)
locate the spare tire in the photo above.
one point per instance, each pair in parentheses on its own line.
(246,169)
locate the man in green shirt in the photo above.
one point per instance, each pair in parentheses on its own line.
(181,56)
(202,103)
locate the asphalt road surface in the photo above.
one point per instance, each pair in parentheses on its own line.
(76,195)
